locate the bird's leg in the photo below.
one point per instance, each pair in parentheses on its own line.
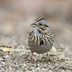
(50,58)
(33,57)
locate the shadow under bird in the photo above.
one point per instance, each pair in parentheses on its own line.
(41,38)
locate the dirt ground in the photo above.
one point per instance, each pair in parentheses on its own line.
(15,19)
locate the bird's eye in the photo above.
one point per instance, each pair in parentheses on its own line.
(40,24)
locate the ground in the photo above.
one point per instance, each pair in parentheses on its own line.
(15,20)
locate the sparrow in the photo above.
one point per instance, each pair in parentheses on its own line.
(41,38)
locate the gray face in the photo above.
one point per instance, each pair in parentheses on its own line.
(41,24)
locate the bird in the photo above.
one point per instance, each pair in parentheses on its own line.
(41,38)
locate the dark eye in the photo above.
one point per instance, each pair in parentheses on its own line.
(40,24)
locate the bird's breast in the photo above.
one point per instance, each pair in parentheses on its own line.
(39,40)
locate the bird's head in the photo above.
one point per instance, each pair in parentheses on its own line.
(41,24)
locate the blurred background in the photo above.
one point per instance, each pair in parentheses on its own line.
(17,15)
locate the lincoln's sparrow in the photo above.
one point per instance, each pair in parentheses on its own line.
(41,38)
